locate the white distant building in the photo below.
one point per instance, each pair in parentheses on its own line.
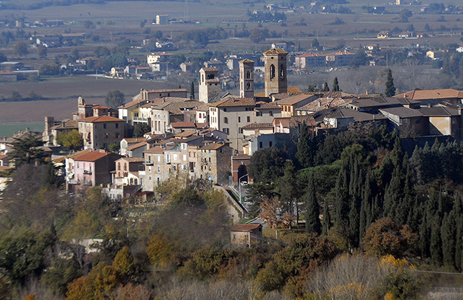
(162,19)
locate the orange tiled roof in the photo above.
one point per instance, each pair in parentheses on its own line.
(92,156)
(183,125)
(296,99)
(157,150)
(245,227)
(101,119)
(137,145)
(431,94)
(233,102)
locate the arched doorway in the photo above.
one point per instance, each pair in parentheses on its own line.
(242,171)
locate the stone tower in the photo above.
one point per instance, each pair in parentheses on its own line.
(246,78)
(275,71)
(209,85)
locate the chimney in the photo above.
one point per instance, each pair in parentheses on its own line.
(429,105)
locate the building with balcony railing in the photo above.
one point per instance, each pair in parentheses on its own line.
(91,169)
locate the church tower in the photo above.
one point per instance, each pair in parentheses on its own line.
(246,78)
(275,71)
(209,85)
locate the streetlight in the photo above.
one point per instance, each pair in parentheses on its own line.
(239,184)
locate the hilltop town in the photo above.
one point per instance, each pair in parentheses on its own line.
(231,150)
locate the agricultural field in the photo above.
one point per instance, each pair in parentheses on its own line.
(119,24)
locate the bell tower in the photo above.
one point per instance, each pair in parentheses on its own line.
(246,78)
(209,85)
(275,71)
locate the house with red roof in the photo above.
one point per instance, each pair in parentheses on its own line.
(246,234)
(92,169)
(100,132)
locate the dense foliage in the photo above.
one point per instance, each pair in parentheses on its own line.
(363,190)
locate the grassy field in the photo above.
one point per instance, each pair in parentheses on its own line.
(358,30)
(7,130)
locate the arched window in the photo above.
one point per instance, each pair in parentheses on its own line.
(248,85)
(248,74)
(282,71)
(272,71)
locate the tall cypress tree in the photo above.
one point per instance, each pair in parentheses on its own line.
(326,88)
(341,202)
(390,88)
(326,219)
(335,85)
(304,154)
(192,90)
(313,209)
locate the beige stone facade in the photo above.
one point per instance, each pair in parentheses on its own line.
(100,132)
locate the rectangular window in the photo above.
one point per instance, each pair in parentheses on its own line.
(239,119)
(117,125)
(270,113)
(159,158)
(104,125)
(248,119)
(184,157)
(225,120)
(258,113)
(159,169)
(175,157)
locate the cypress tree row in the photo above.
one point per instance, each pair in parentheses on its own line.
(312,221)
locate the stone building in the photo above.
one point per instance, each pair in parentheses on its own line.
(100,132)
(246,78)
(209,85)
(275,71)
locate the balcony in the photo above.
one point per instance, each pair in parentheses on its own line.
(88,172)
(148,162)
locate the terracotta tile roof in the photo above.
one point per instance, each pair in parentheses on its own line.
(156,150)
(245,227)
(297,98)
(431,94)
(58,160)
(101,119)
(92,156)
(246,61)
(132,103)
(183,125)
(181,105)
(212,146)
(186,133)
(234,102)
(284,122)
(241,156)
(4,168)
(136,146)
(3,156)
(100,107)
(134,140)
(275,51)
(270,105)
(79,153)
(321,104)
